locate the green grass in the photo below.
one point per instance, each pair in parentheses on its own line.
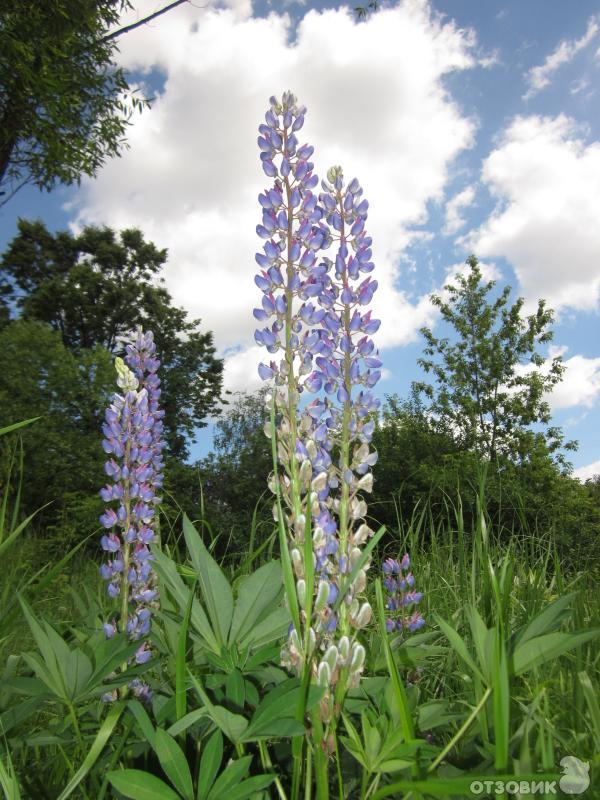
(464,692)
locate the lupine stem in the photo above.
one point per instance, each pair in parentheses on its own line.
(345,434)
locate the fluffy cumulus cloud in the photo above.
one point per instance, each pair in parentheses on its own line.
(376,104)
(539,77)
(580,385)
(547,183)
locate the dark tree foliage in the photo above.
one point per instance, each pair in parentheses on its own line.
(63,453)
(64,105)
(490,381)
(94,288)
(421,467)
(234,475)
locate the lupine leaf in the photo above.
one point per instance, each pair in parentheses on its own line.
(229,778)
(257,592)
(249,787)
(174,763)
(214,586)
(210,762)
(167,571)
(138,785)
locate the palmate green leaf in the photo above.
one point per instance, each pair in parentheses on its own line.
(210,762)
(143,720)
(47,667)
(214,586)
(248,788)
(187,721)
(235,691)
(138,785)
(232,725)
(77,670)
(534,652)
(45,678)
(276,715)
(174,763)
(257,593)
(355,750)
(108,655)
(167,571)
(229,778)
(270,629)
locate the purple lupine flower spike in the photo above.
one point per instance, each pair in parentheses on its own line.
(401,598)
(290,281)
(133,436)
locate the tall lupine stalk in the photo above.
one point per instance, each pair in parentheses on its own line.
(133,437)
(324,333)
(348,369)
(290,279)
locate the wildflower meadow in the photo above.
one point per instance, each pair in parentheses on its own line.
(442,655)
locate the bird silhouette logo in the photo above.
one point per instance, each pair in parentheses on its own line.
(576,775)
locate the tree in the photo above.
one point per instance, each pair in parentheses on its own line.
(96,287)
(491,383)
(63,452)
(64,105)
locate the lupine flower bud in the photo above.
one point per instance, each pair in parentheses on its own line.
(364,615)
(322,596)
(358,658)
(301,591)
(324,675)
(331,657)
(344,649)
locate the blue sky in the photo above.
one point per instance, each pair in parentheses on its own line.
(472,126)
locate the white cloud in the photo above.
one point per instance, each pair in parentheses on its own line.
(454,206)
(240,369)
(579,86)
(587,471)
(376,104)
(547,182)
(580,385)
(539,77)
(489,271)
